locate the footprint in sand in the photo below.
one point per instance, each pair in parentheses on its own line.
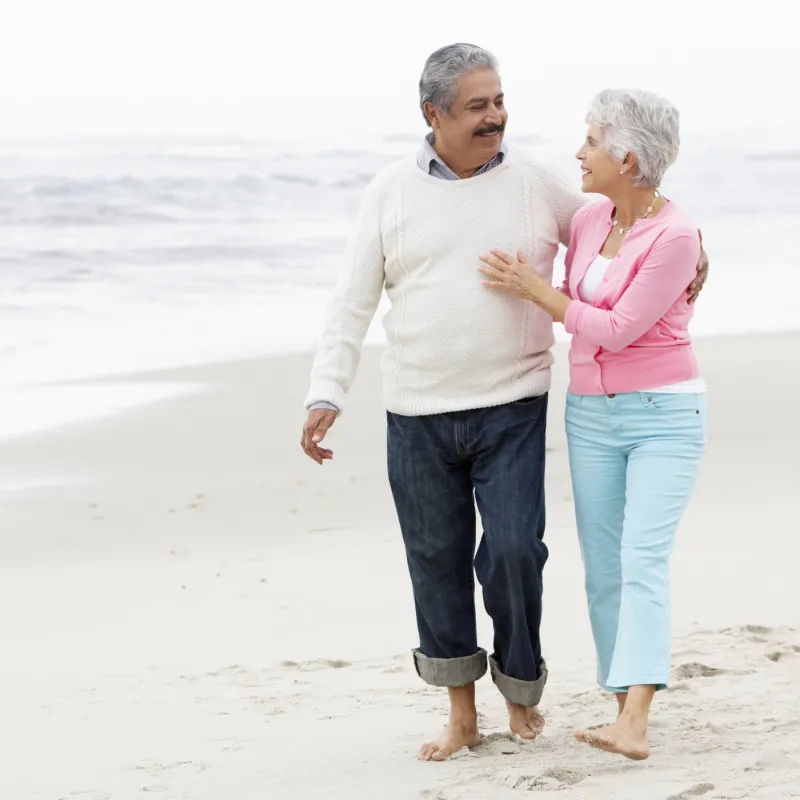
(696,670)
(321,663)
(499,744)
(758,634)
(552,779)
(696,791)
(779,655)
(86,794)
(154,767)
(566,777)
(777,761)
(760,630)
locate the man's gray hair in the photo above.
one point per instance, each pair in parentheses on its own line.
(634,121)
(443,71)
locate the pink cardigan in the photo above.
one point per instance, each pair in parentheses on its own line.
(635,334)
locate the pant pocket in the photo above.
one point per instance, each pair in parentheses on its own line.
(673,403)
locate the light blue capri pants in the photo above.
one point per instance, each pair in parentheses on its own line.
(634,458)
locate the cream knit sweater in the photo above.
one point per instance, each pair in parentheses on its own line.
(452,343)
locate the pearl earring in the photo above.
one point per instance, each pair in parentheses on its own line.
(622,172)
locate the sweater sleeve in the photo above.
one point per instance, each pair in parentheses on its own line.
(660,282)
(564,199)
(352,306)
(571,247)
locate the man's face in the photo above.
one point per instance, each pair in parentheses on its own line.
(473,130)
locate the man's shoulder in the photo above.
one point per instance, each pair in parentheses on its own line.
(383,185)
(544,171)
(593,210)
(549,180)
(389,175)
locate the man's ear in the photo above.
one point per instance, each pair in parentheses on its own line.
(432,113)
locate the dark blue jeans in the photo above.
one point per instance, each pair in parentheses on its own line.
(439,466)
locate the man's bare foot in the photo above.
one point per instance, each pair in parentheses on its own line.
(453,738)
(525,721)
(622,736)
(461,730)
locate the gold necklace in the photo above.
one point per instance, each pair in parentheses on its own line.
(623,231)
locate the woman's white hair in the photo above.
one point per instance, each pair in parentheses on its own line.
(634,121)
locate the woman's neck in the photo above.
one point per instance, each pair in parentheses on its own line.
(632,204)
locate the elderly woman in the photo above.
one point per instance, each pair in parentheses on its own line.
(636,409)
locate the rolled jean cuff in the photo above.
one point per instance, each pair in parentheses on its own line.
(450,672)
(522,693)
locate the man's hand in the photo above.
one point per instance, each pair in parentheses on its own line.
(316,426)
(702,273)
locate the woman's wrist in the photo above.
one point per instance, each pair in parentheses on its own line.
(551,300)
(535,288)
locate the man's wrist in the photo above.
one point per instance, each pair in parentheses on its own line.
(323,404)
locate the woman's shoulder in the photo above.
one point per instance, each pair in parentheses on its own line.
(677,223)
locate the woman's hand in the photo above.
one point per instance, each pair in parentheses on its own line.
(521,279)
(516,277)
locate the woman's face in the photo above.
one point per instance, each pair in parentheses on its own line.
(600,170)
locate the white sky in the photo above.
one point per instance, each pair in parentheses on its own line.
(306,68)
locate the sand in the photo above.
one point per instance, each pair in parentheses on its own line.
(193,609)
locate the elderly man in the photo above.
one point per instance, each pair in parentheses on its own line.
(465,382)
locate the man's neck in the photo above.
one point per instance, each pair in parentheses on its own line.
(463,168)
(455,164)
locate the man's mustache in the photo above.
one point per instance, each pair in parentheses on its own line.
(489,131)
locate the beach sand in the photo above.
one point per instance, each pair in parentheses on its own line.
(194,609)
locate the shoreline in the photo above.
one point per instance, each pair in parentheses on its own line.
(92,397)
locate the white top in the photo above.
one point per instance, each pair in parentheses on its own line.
(453,344)
(593,278)
(588,286)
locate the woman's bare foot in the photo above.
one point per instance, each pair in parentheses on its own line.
(525,721)
(623,736)
(454,737)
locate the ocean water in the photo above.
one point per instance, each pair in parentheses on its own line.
(123,256)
